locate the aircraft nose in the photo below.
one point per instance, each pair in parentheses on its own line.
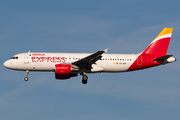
(6,64)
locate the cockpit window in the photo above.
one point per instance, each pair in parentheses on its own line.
(14,58)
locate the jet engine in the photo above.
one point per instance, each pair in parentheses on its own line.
(65,71)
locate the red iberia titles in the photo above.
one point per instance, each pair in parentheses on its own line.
(37,54)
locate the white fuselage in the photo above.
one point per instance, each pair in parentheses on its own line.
(47,61)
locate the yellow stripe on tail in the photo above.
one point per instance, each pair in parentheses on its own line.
(165,31)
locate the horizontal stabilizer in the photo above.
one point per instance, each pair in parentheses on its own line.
(163,58)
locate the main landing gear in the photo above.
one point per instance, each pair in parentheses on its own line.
(84,78)
(27,73)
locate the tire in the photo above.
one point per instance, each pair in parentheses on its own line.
(26,78)
(84,81)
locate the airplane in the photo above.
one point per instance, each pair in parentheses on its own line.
(67,65)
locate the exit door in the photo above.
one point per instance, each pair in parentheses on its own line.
(139,60)
(27,58)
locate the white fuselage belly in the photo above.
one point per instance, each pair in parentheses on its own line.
(47,61)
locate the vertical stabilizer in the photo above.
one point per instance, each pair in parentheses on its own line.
(159,45)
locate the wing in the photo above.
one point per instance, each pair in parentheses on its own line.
(86,63)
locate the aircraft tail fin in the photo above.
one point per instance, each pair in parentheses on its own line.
(159,45)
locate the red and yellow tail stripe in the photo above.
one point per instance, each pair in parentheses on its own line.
(166,32)
(157,48)
(159,45)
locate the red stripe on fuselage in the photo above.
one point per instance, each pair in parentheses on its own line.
(144,61)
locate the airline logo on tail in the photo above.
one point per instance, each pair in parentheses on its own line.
(166,32)
(159,45)
(155,53)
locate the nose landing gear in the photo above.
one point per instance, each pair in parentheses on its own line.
(27,73)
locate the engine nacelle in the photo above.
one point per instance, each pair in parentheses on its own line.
(65,76)
(65,71)
(66,68)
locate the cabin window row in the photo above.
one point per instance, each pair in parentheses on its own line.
(116,59)
(63,58)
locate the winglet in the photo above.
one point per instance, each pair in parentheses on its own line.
(106,50)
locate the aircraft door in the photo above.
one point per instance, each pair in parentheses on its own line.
(139,60)
(27,58)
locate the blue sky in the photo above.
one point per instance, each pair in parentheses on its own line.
(125,26)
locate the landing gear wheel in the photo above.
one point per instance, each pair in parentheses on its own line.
(84,79)
(26,78)
(27,73)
